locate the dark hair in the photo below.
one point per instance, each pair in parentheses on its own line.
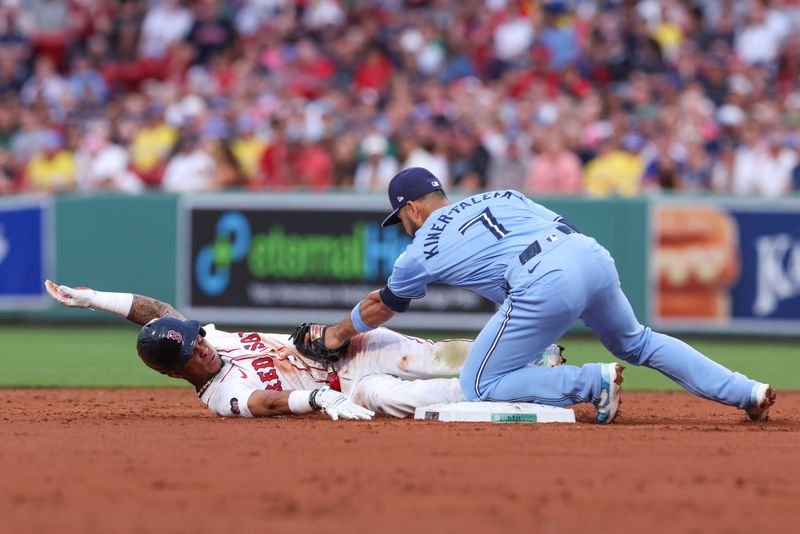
(433,195)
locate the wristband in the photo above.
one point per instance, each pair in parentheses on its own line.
(358,322)
(119,303)
(300,402)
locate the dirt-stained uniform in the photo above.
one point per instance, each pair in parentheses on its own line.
(371,373)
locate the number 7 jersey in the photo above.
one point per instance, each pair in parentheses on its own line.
(474,244)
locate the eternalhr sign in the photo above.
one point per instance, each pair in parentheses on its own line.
(270,260)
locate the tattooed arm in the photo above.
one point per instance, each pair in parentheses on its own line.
(145,309)
(136,308)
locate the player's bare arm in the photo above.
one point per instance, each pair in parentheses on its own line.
(264,403)
(136,308)
(373,312)
(145,309)
(269,403)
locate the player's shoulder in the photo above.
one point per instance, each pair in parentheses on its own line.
(228,392)
(488,198)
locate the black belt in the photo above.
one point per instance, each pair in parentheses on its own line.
(535,248)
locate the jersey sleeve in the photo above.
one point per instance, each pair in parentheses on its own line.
(229,399)
(409,278)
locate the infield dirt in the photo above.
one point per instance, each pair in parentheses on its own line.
(154,460)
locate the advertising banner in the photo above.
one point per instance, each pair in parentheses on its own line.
(24,253)
(283,260)
(726,266)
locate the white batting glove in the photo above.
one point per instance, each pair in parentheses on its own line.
(337,404)
(74,298)
(83,297)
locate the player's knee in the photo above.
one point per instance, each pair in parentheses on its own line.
(471,389)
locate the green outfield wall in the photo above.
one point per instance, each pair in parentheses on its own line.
(190,251)
(141,244)
(687,264)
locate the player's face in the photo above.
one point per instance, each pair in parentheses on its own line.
(205,359)
(410,224)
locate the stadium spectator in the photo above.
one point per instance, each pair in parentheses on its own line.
(85,82)
(444,82)
(102,164)
(419,152)
(376,170)
(151,146)
(46,85)
(555,170)
(470,160)
(248,147)
(507,166)
(276,160)
(166,22)
(190,168)
(7,182)
(227,171)
(211,32)
(312,168)
(617,171)
(52,167)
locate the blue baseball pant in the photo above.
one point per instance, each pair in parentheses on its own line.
(578,280)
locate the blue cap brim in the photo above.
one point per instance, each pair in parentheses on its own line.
(189,339)
(392,218)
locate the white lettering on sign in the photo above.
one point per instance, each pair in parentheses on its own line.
(778,272)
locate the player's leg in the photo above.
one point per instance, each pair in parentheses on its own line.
(527,322)
(389,395)
(611,317)
(385,351)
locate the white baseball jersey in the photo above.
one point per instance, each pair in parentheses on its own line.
(255,361)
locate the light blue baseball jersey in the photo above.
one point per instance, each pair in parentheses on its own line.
(474,243)
(544,276)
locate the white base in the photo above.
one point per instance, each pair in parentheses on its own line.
(495,412)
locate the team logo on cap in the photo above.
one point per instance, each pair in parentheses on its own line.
(175,336)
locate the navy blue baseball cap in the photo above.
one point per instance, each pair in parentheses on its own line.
(409,184)
(167,344)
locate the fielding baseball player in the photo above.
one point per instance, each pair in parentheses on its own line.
(544,274)
(254,374)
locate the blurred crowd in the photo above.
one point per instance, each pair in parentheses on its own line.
(559,97)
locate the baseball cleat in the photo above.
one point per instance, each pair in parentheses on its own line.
(610,392)
(761,398)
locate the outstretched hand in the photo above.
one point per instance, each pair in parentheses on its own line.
(337,404)
(81,297)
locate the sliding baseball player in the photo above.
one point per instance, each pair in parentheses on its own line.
(252,374)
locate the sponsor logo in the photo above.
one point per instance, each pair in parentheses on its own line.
(235,406)
(435,184)
(514,418)
(365,251)
(400,199)
(212,264)
(175,336)
(552,238)
(778,278)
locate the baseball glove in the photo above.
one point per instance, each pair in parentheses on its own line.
(309,340)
